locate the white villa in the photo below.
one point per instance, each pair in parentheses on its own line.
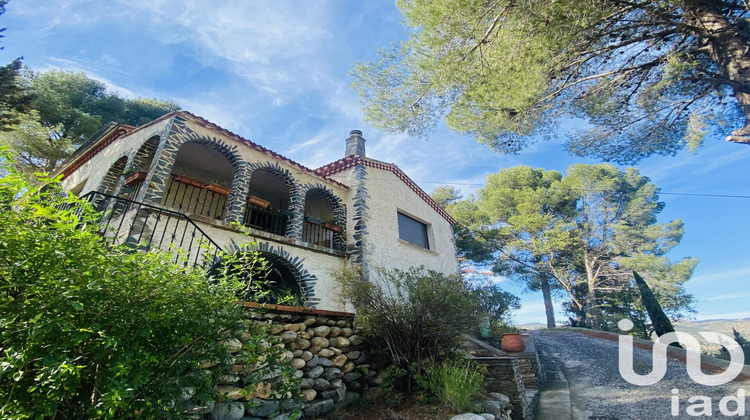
(181,181)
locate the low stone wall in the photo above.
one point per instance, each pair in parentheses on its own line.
(327,353)
(528,368)
(516,375)
(503,376)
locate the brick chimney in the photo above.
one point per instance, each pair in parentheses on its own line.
(355,144)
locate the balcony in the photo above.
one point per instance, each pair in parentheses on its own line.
(190,196)
(321,233)
(268,219)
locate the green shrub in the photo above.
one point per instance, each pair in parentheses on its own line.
(419,316)
(93,331)
(455,383)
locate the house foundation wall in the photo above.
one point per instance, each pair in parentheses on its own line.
(328,354)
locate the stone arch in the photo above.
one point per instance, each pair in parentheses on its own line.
(140,162)
(166,155)
(111,179)
(293,209)
(289,265)
(315,212)
(144,156)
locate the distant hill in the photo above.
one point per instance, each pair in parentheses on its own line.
(723,326)
(531,326)
(718,325)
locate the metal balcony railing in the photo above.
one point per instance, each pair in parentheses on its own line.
(188,195)
(145,227)
(321,235)
(266,219)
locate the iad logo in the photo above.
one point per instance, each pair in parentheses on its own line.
(693,364)
(700,406)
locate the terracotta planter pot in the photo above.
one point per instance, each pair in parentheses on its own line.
(258,201)
(135,178)
(218,189)
(190,181)
(513,342)
(331,226)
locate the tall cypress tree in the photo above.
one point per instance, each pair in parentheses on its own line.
(659,319)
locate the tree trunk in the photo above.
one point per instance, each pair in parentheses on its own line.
(548,308)
(727,46)
(590,304)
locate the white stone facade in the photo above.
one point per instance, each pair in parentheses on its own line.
(309,223)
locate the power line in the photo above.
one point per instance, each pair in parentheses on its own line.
(521,186)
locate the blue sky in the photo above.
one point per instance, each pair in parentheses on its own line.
(277,73)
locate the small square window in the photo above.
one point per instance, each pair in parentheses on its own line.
(413,231)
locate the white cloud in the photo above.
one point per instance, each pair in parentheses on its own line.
(274,44)
(727,297)
(740,273)
(307,144)
(95,72)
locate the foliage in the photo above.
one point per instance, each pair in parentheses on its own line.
(93,331)
(499,328)
(82,105)
(30,140)
(251,270)
(666,280)
(648,76)
(519,222)
(68,109)
(15,98)
(617,231)
(393,377)
(455,383)
(659,319)
(418,315)
(494,301)
(743,343)
(584,232)
(444,195)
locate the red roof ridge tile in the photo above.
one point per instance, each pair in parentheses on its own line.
(353,160)
(121,130)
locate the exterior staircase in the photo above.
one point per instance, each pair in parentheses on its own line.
(146,227)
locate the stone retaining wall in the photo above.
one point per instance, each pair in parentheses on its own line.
(528,368)
(516,375)
(327,353)
(503,376)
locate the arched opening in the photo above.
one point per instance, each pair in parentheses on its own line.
(322,225)
(145,155)
(200,182)
(113,175)
(139,167)
(268,203)
(268,278)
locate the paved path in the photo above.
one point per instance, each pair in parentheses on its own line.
(583,371)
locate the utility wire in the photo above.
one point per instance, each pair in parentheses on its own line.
(592,190)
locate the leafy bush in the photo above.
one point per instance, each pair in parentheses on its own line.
(494,301)
(93,331)
(455,383)
(743,343)
(418,315)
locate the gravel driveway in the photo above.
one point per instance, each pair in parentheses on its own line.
(598,392)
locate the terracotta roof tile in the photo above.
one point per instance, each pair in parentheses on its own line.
(352,161)
(123,130)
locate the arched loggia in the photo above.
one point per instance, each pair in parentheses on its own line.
(267,278)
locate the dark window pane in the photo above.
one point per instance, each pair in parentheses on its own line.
(412,231)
